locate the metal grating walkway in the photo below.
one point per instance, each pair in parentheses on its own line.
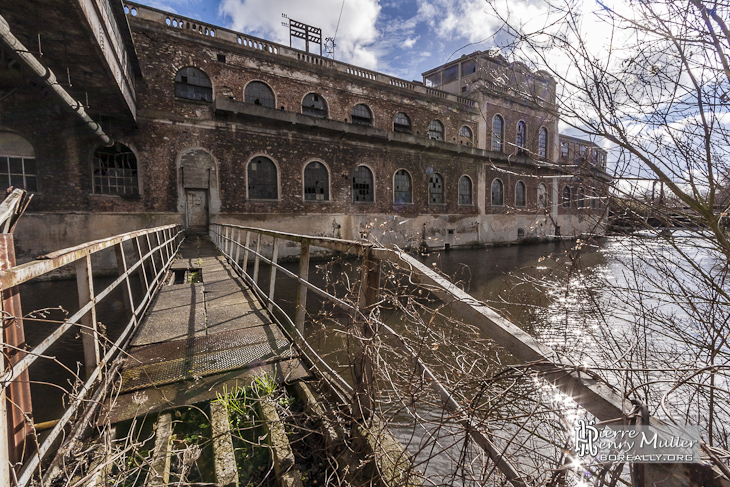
(168,362)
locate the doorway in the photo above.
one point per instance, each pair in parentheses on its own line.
(197,208)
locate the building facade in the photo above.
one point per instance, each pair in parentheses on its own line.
(224,127)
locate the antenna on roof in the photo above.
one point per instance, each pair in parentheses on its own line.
(329,47)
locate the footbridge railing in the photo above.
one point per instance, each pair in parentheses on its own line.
(143,255)
(244,248)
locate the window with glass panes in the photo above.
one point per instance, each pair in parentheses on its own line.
(497,193)
(316,182)
(402,188)
(436,189)
(465,191)
(436,130)
(193,84)
(497,133)
(258,93)
(263,181)
(520,194)
(542,143)
(401,123)
(363,190)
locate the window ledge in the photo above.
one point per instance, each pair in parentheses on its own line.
(326,202)
(262,200)
(116,196)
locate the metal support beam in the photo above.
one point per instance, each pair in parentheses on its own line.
(18,407)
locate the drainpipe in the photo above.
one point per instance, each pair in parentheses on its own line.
(19,51)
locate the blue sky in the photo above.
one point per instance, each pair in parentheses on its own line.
(402,38)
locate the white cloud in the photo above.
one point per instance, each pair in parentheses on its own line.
(356,34)
(409,42)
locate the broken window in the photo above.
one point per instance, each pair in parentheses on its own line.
(541,196)
(542,143)
(361,115)
(466,132)
(262,179)
(17,162)
(314,105)
(193,84)
(582,150)
(316,182)
(566,197)
(363,189)
(581,198)
(436,130)
(564,149)
(497,134)
(402,189)
(401,123)
(521,136)
(465,191)
(520,194)
(436,190)
(258,93)
(497,193)
(115,171)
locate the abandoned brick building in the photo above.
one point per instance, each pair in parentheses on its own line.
(171,120)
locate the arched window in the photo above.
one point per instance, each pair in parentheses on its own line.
(497,193)
(520,194)
(581,198)
(316,182)
(542,143)
(566,197)
(402,188)
(258,93)
(521,136)
(466,132)
(193,84)
(436,130)
(436,190)
(497,134)
(542,196)
(401,123)
(263,183)
(361,115)
(363,189)
(17,162)
(465,191)
(115,170)
(314,105)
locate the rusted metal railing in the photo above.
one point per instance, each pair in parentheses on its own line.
(146,253)
(591,394)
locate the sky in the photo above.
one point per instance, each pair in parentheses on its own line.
(402,38)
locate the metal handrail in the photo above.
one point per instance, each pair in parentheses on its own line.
(167,241)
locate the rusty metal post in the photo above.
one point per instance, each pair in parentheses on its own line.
(363,400)
(272,276)
(301,288)
(89,327)
(18,405)
(152,254)
(142,272)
